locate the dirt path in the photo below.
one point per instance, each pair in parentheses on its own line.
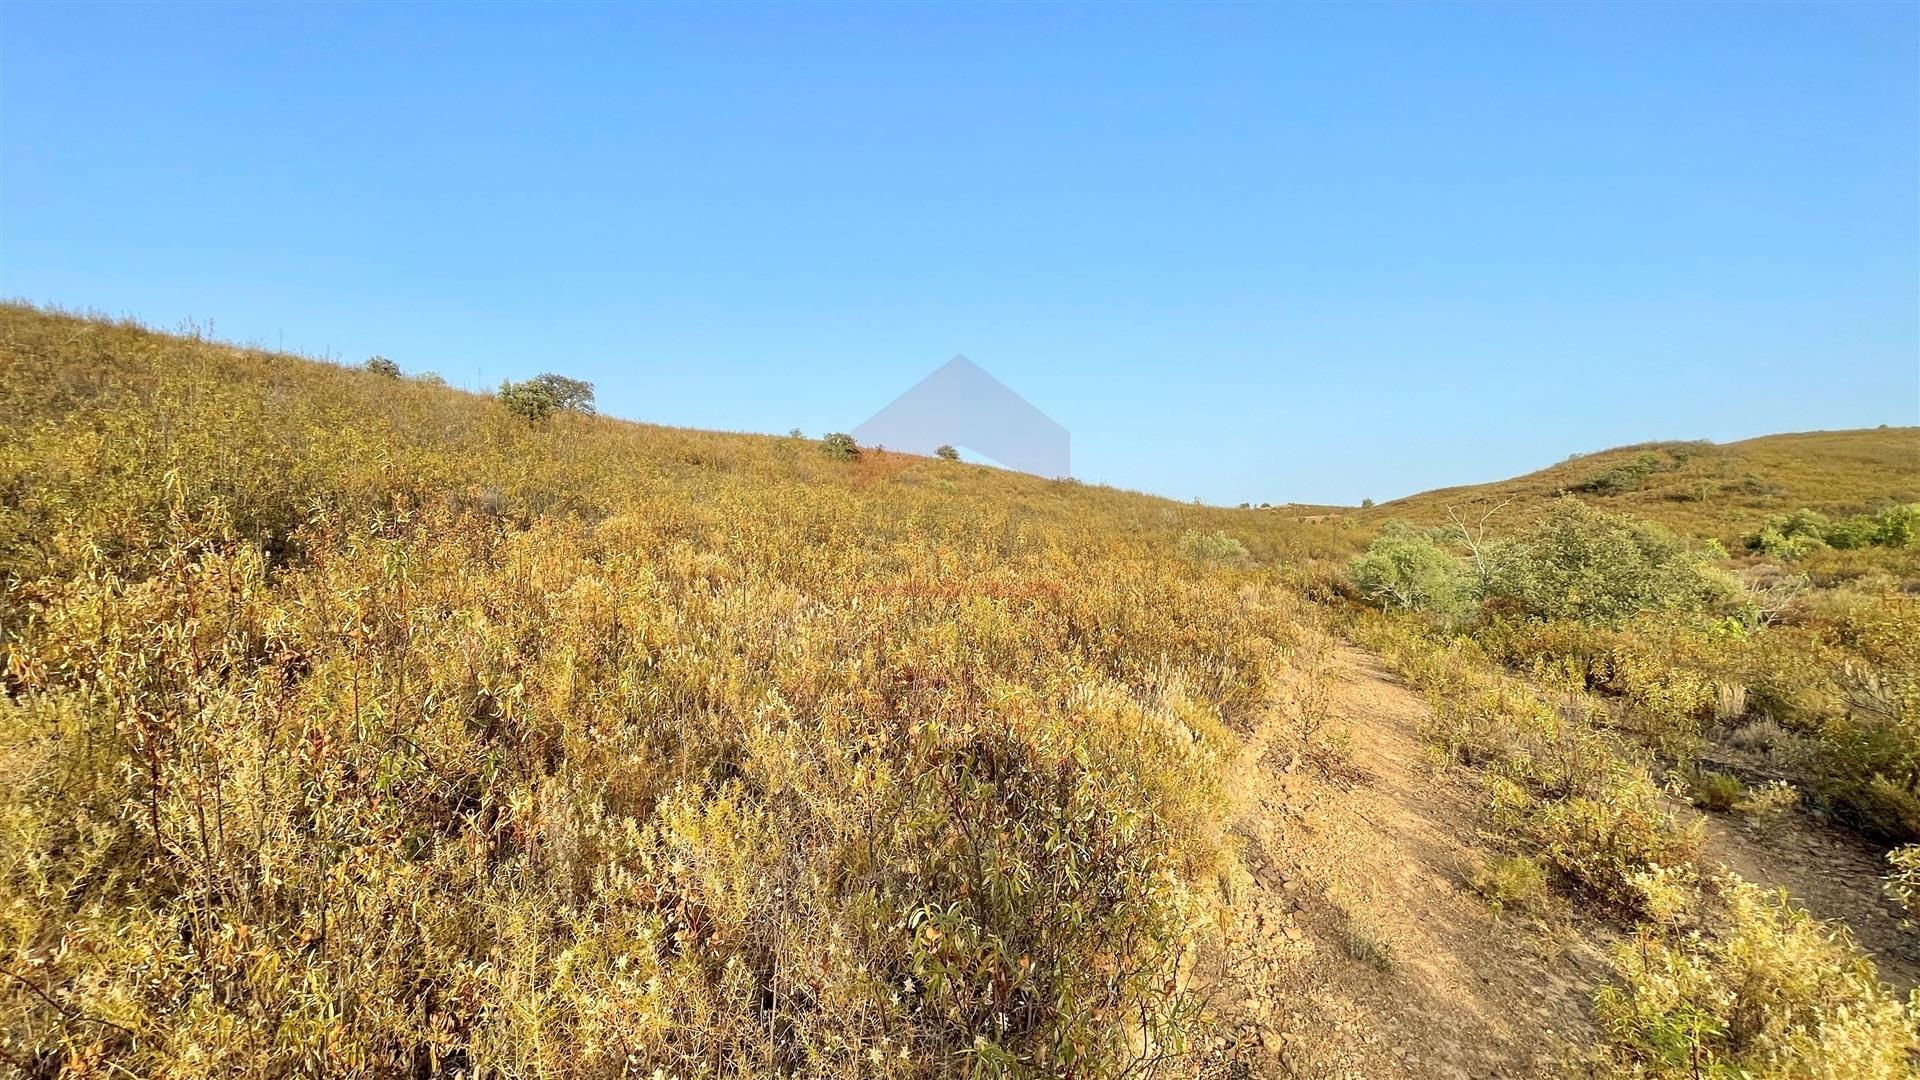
(1359,948)
(1832,873)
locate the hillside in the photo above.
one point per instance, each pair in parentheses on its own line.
(356,725)
(1718,490)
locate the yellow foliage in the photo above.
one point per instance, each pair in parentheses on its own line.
(354,725)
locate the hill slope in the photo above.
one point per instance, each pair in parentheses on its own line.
(355,725)
(1720,490)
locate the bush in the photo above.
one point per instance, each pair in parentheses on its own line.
(1623,478)
(1582,562)
(1796,535)
(1903,881)
(1407,568)
(1712,790)
(1511,881)
(1774,993)
(380,365)
(1212,547)
(839,445)
(377,735)
(539,397)
(529,399)
(947,453)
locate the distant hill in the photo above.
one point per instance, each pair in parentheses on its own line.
(1721,490)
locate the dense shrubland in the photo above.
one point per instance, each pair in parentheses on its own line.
(1687,647)
(356,725)
(361,727)
(1795,535)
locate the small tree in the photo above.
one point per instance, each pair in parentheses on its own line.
(537,398)
(839,445)
(573,395)
(380,365)
(947,453)
(1366,504)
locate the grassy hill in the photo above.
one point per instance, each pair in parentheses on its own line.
(1719,490)
(354,724)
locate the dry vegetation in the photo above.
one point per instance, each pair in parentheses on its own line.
(1719,490)
(355,725)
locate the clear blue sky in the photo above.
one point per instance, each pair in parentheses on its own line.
(1242,253)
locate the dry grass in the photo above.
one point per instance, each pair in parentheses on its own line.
(1722,491)
(354,726)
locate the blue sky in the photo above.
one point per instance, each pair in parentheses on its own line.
(1257,253)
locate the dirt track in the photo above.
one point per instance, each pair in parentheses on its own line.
(1359,949)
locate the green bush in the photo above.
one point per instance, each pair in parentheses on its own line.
(1212,547)
(947,453)
(529,399)
(539,397)
(380,365)
(1581,562)
(839,445)
(1622,478)
(1511,881)
(1796,535)
(1407,568)
(1712,790)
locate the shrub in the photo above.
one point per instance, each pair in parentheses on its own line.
(947,453)
(1511,881)
(1903,881)
(1581,562)
(1407,568)
(531,399)
(1623,478)
(1769,799)
(1899,526)
(1712,790)
(1366,944)
(1796,535)
(371,734)
(1600,843)
(1772,993)
(1212,547)
(380,365)
(839,446)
